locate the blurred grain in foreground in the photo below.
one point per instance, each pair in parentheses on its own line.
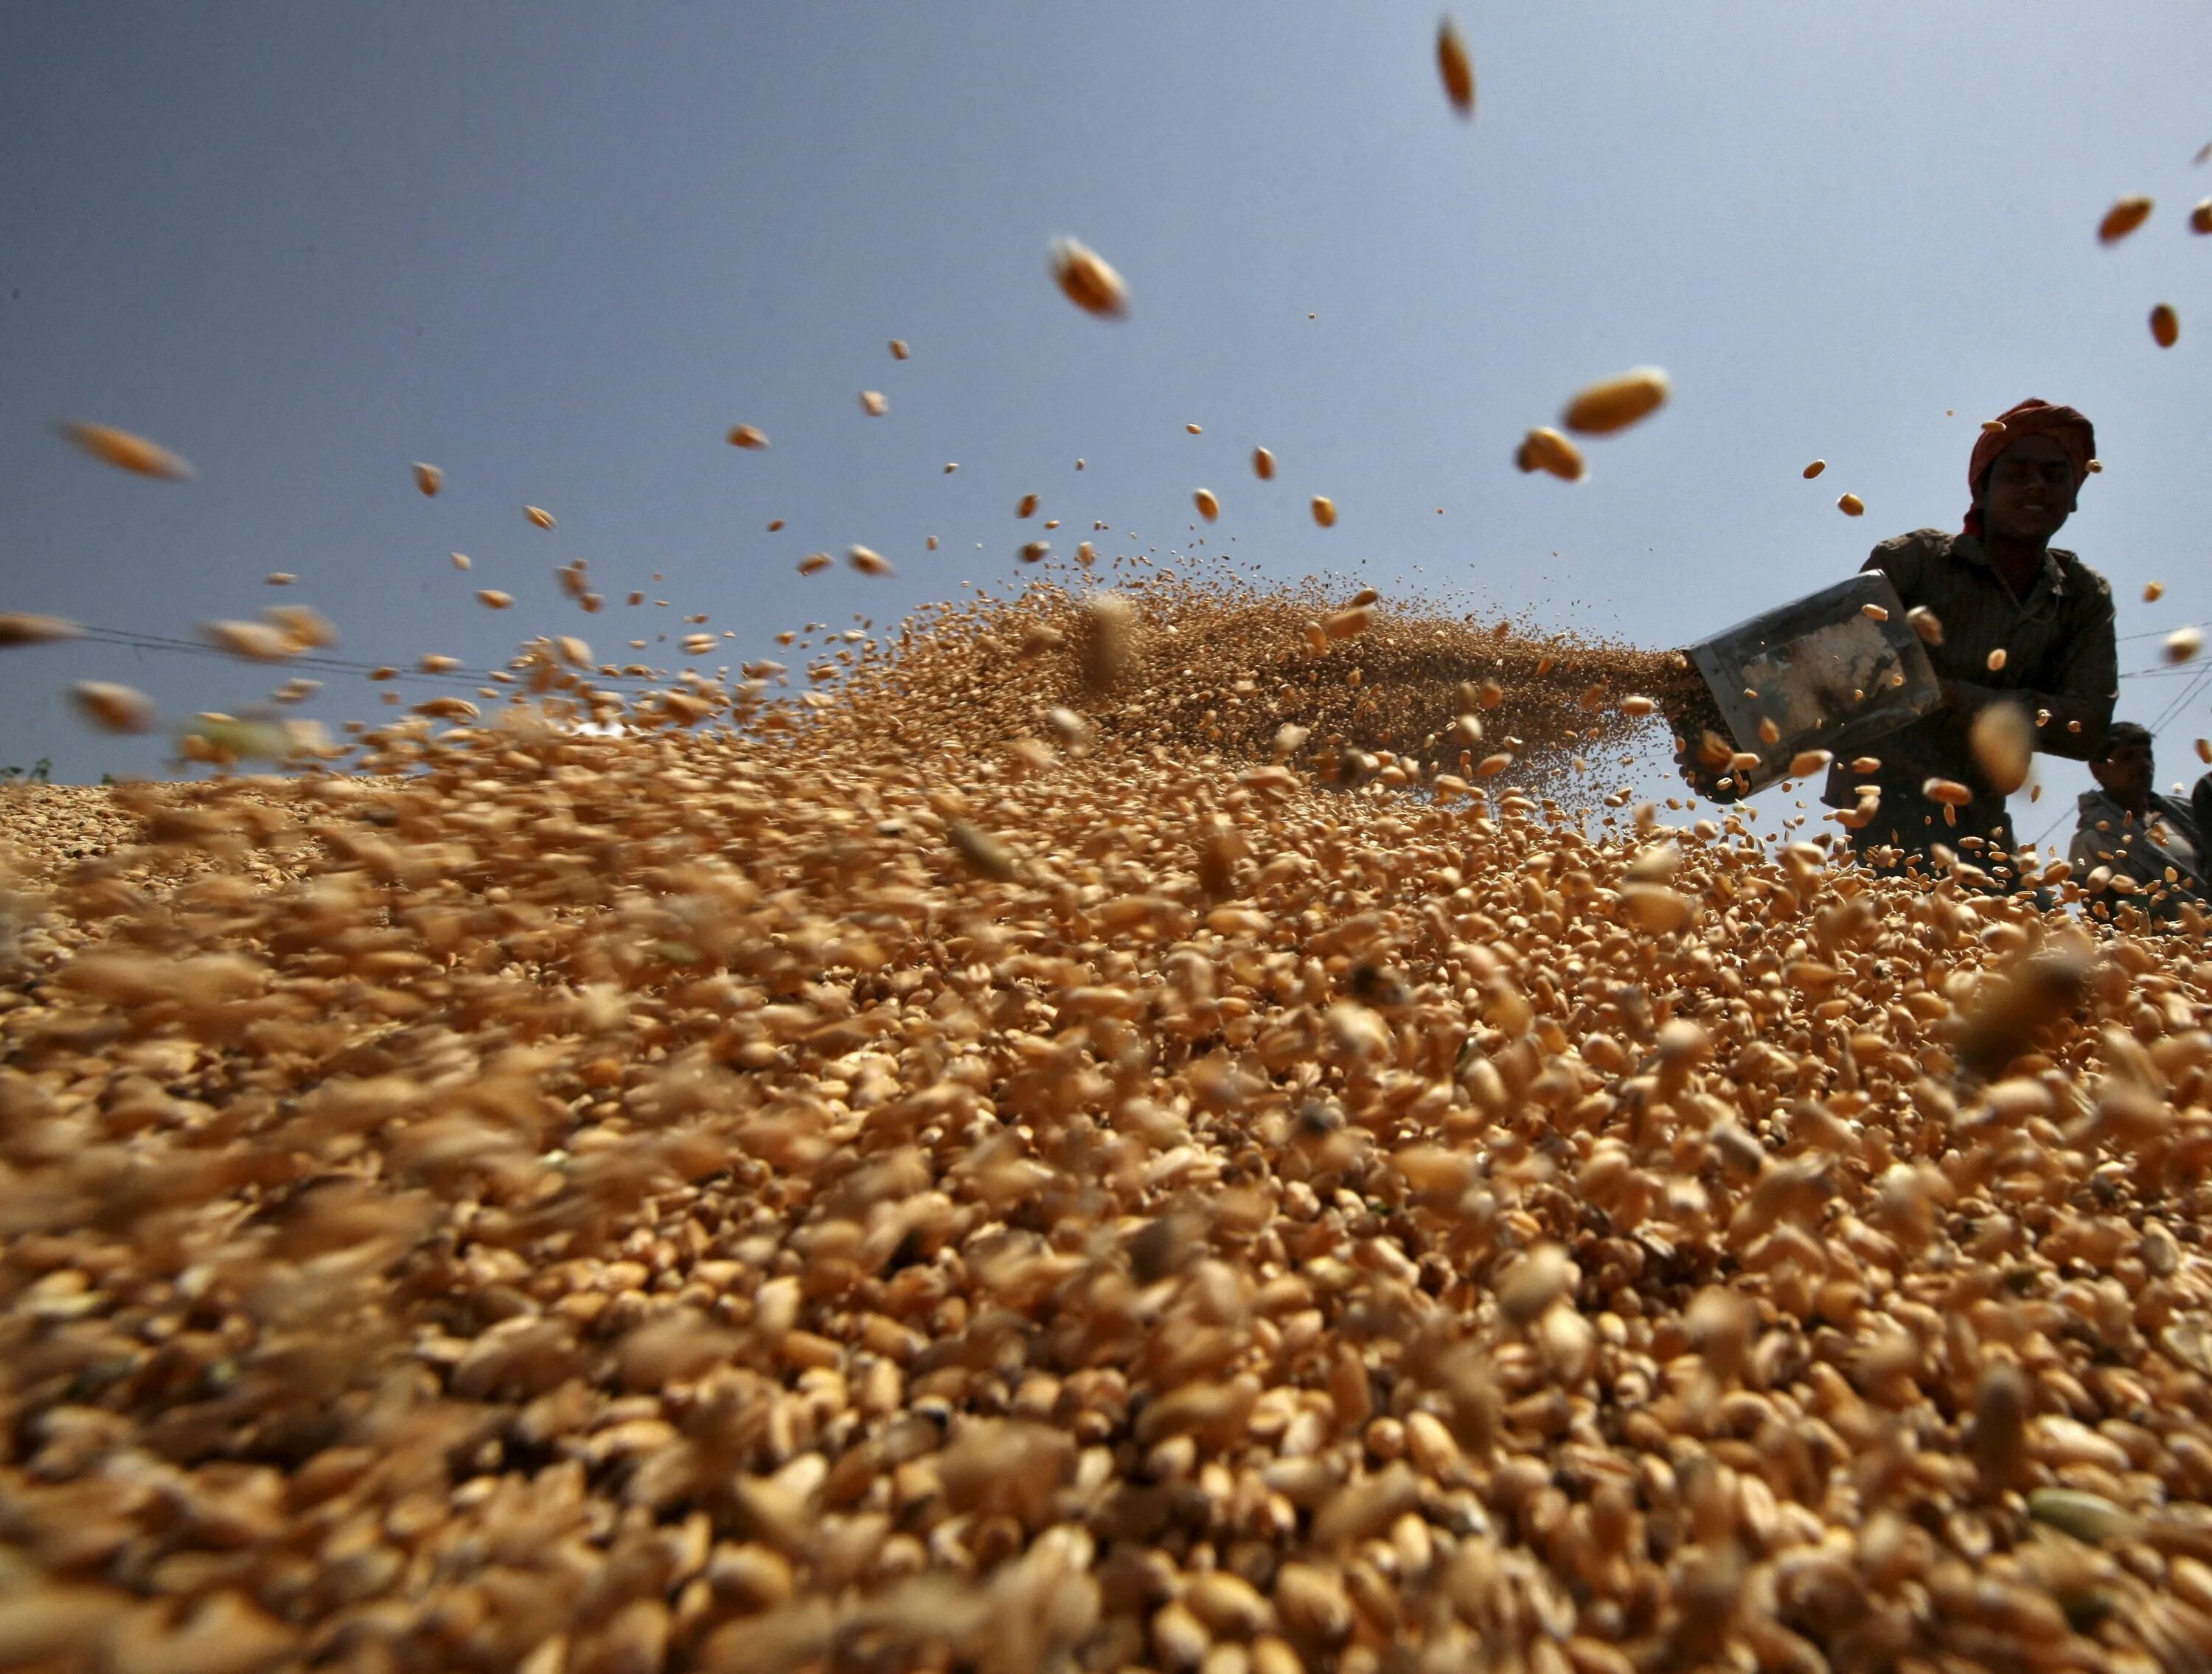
(994,1165)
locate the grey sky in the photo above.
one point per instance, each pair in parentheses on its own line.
(559,249)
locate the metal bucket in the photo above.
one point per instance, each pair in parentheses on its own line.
(1826,672)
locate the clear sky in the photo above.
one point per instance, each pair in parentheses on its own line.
(559,249)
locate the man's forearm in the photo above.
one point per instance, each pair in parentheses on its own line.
(2070,724)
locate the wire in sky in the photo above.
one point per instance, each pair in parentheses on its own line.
(2182,700)
(143,642)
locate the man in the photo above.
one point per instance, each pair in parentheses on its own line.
(2133,835)
(2019,621)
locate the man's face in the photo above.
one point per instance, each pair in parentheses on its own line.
(2028,491)
(2125,773)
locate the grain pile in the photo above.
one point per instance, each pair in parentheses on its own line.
(1397,693)
(994,1167)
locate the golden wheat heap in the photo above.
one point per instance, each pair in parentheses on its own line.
(1112,1131)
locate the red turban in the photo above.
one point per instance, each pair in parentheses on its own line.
(2032,418)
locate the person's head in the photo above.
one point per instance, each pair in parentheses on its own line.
(2025,475)
(2028,492)
(2126,771)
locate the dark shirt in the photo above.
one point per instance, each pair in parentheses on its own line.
(2061,665)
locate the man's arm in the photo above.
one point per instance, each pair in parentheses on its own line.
(1904,559)
(2072,715)
(1901,557)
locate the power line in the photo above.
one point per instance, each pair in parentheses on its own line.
(2187,692)
(132,639)
(2160,673)
(300,660)
(321,665)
